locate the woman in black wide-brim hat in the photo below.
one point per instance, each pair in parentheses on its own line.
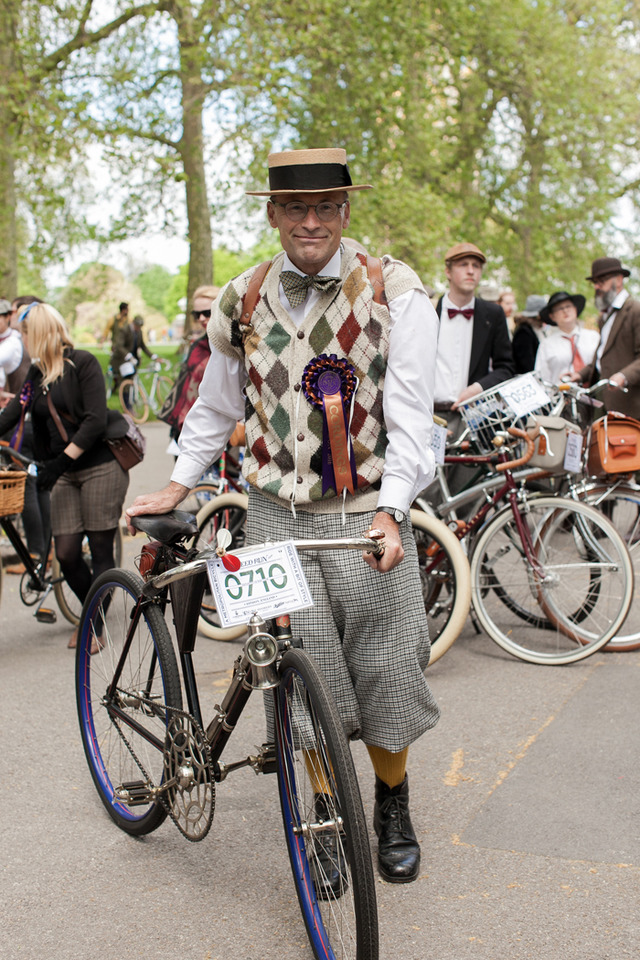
(569,347)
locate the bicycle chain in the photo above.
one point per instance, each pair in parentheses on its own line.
(161,795)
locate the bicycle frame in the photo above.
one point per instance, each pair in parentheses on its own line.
(185,585)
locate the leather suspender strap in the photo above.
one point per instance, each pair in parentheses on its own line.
(55,416)
(252,295)
(374,269)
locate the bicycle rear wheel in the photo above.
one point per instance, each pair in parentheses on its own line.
(324,821)
(566,602)
(445,578)
(123,724)
(70,606)
(134,400)
(621,505)
(229,511)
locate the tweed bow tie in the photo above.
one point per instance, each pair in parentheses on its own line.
(468,312)
(295,285)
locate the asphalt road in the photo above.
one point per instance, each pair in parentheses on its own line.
(526,799)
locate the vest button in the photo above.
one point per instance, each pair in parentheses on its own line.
(300,335)
(299,479)
(301,437)
(297,387)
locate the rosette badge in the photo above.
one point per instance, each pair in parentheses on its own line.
(330,383)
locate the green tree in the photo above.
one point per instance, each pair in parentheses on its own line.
(154,283)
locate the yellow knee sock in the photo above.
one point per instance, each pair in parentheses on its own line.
(317,772)
(389,767)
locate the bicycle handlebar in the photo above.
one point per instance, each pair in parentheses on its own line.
(519,461)
(7,452)
(372,544)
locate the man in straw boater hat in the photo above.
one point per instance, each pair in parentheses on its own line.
(617,357)
(317,330)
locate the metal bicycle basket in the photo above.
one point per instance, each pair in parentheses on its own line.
(509,404)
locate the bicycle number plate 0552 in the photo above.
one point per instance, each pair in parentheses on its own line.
(270,582)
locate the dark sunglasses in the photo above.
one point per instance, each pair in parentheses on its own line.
(196,314)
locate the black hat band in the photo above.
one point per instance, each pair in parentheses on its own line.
(310,176)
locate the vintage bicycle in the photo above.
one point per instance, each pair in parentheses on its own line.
(137,399)
(152,756)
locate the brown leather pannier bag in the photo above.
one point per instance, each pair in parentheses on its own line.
(614,445)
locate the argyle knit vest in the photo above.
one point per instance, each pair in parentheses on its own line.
(283,457)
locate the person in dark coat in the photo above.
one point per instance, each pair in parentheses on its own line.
(528,333)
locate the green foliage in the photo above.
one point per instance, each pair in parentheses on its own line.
(154,284)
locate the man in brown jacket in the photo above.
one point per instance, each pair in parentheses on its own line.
(618,355)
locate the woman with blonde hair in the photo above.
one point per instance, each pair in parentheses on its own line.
(65,395)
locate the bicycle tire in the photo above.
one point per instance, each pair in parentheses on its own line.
(341,924)
(570,539)
(164,385)
(150,667)
(134,400)
(625,516)
(445,578)
(69,605)
(227,510)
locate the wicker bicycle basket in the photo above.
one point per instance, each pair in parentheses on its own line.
(12,491)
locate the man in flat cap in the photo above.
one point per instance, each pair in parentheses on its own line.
(617,357)
(474,348)
(324,325)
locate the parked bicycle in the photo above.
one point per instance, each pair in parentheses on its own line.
(150,756)
(138,398)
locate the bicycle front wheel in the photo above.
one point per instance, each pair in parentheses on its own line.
(163,388)
(228,511)
(563,596)
(324,821)
(70,606)
(445,579)
(134,400)
(124,691)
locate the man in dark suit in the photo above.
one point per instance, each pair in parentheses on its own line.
(618,355)
(474,349)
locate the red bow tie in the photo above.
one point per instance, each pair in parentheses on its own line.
(468,313)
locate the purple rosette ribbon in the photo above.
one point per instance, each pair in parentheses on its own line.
(330,383)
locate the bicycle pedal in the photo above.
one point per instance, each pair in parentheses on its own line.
(134,793)
(268,758)
(45,615)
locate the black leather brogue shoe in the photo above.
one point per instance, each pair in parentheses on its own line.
(398,847)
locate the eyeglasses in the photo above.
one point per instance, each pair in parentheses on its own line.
(564,307)
(297,211)
(196,314)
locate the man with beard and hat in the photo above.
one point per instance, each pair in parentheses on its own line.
(617,356)
(321,306)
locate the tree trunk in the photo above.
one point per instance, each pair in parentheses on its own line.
(8,149)
(192,154)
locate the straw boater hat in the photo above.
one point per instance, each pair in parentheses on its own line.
(308,171)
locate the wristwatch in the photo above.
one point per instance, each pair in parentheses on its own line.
(397,515)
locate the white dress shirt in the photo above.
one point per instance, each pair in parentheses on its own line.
(555,353)
(454,352)
(606,327)
(407,398)
(11,350)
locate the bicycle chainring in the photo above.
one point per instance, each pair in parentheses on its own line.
(188,769)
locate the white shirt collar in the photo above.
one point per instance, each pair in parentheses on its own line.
(620,299)
(330,269)
(446,303)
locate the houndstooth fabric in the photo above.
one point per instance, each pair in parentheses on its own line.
(284,432)
(367,631)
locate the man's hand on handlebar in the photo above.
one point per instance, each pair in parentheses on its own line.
(393,549)
(163,501)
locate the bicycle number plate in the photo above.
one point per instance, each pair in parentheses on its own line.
(524,395)
(270,582)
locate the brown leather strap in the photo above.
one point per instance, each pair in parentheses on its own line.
(56,419)
(252,295)
(374,269)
